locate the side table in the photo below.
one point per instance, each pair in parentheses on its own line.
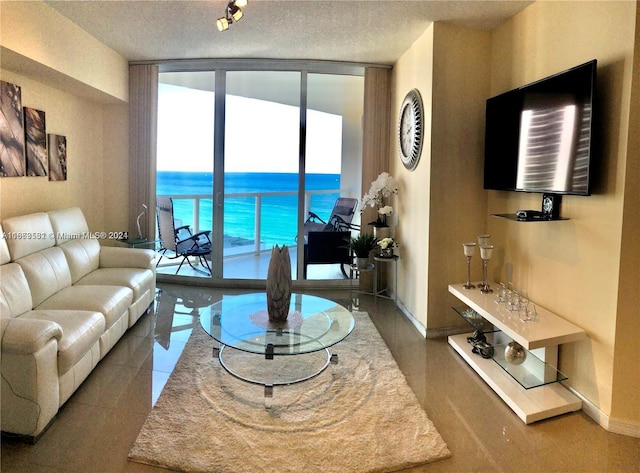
(378,263)
(354,274)
(141,243)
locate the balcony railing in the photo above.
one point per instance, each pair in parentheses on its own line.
(258,198)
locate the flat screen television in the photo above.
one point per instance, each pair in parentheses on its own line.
(539,137)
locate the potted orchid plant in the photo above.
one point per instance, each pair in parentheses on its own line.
(378,196)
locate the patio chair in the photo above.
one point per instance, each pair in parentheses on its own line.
(326,242)
(340,219)
(181,241)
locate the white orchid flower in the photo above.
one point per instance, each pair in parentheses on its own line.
(383,187)
(386,210)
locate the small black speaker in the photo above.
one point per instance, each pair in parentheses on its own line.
(551,206)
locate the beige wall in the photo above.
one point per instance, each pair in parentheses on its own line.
(573,268)
(413,70)
(61,50)
(83,94)
(442,203)
(626,371)
(458,203)
(115,165)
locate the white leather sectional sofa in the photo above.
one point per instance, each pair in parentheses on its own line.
(65,301)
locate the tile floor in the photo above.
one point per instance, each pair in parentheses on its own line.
(96,428)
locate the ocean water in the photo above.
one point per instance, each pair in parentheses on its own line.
(278,216)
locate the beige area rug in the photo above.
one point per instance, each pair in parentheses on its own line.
(357,416)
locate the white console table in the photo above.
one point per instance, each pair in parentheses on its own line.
(531,389)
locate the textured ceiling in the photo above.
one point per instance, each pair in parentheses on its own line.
(351,31)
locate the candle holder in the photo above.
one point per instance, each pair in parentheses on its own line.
(469,250)
(483,240)
(485,254)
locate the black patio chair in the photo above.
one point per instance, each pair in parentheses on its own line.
(181,241)
(327,242)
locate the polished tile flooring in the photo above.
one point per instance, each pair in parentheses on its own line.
(97,426)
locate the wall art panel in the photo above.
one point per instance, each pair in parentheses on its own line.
(12,157)
(35,136)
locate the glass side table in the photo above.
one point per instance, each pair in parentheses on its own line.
(141,243)
(379,261)
(354,275)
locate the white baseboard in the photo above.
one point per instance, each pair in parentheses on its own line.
(624,427)
(610,424)
(431,333)
(411,318)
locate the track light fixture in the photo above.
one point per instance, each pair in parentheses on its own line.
(233,13)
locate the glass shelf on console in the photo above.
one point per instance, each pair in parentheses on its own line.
(531,373)
(536,219)
(476,320)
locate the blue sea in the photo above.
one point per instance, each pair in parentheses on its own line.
(278,222)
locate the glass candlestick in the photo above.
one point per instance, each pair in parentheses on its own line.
(483,240)
(485,254)
(469,250)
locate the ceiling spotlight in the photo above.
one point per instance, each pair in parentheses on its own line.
(232,13)
(222,24)
(235,12)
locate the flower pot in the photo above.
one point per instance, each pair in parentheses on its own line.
(386,252)
(362,263)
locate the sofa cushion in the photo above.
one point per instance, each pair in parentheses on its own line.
(47,273)
(28,234)
(80,331)
(73,237)
(15,297)
(68,224)
(111,301)
(138,280)
(83,256)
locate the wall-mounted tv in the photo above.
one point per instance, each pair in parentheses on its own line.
(539,137)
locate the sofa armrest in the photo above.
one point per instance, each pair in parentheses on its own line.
(27,336)
(30,387)
(114,257)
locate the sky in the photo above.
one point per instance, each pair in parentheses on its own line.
(260,136)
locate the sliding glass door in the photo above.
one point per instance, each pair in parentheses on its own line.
(248,154)
(184,169)
(333,159)
(261,164)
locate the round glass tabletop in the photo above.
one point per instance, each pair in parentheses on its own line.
(242,322)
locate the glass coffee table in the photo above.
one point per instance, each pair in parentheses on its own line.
(257,351)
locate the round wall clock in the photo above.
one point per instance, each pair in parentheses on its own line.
(411,129)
